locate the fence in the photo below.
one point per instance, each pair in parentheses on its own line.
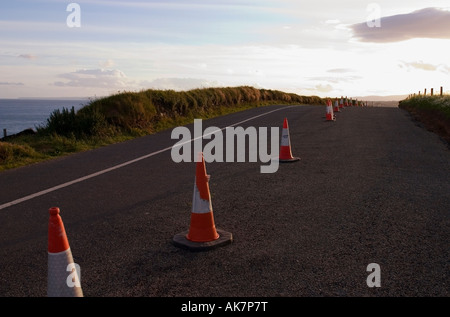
(431,92)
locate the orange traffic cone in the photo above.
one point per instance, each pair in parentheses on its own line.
(202,234)
(336,105)
(330,114)
(285,147)
(346,102)
(341,103)
(61,283)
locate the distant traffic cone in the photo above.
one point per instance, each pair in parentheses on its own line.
(341,103)
(346,102)
(285,146)
(330,114)
(336,105)
(61,283)
(202,233)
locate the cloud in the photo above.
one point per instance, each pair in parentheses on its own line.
(91,78)
(11,84)
(322,88)
(420,65)
(116,79)
(179,83)
(335,80)
(333,21)
(28,56)
(426,23)
(444,68)
(107,64)
(340,70)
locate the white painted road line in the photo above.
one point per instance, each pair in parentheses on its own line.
(55,188)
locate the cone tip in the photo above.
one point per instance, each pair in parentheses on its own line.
(54,211)
(200,157)
(57,238)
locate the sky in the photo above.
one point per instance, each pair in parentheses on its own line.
(96,48)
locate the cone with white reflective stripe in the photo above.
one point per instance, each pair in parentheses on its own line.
(336,105)
(330,114)
(202,233)
(341,103)
(285,146)
(63,274)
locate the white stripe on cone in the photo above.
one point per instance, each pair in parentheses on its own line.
(63,279)
(329,109)
(200,206)
(285,139)
(330,113)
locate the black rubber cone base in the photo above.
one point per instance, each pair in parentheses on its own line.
(294,159)
(181,241)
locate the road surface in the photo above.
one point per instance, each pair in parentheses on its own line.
(372,187)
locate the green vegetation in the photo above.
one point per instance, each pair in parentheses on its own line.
(128,115)
(432,111)
(439,104)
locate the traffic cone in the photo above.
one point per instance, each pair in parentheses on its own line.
(341,103)
(63,278)
(202,233)
(346,102)
(336,105)
(330,114)
(285,147)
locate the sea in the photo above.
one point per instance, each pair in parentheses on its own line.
(17,115)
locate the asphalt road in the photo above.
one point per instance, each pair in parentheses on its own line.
(371,187)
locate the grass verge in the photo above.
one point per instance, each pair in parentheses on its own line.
(433,112)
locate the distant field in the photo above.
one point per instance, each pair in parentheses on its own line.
(385,104)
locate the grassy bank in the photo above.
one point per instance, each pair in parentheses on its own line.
(128,115)
(432,111)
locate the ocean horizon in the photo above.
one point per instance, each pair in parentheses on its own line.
(17,115)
